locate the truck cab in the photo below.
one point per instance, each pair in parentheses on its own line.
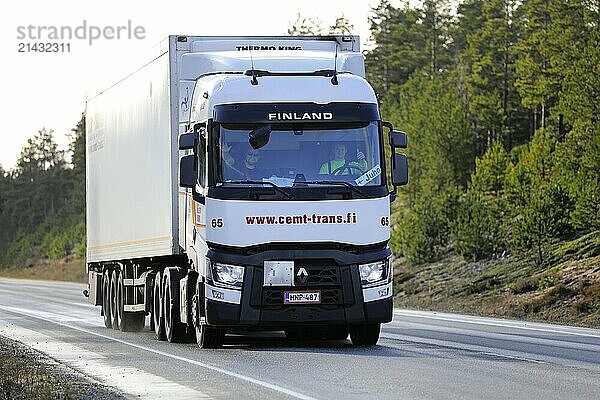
(286,195)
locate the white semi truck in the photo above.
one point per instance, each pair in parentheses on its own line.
(240,183)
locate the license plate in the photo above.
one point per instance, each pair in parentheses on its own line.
(302,297)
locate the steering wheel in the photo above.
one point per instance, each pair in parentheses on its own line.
(349,167)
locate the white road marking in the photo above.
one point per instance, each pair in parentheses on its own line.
(496,323)
(468,347)
(127,379)
(44,316)
(87,306)
(506,337)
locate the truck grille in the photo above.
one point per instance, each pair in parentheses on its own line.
(319,276)
(331,280)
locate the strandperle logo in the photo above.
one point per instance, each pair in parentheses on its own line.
(85,31)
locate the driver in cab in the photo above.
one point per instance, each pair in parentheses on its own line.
(338,165)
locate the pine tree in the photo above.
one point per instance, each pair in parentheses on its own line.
(4,228)
(490,170)
(77,149)
(436,29)
(305,26)
(493,102)
(400,46)
(342,26)
(544,219)
(440,159)
(537,80)
(469,19)
(479,230)
(40,183)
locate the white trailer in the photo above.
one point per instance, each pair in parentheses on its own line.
(218,196)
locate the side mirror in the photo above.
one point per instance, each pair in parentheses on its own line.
(260,136)
(188,141)
(399,169)
(398,139)
(187,171)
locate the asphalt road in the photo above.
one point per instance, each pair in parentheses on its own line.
(420,355)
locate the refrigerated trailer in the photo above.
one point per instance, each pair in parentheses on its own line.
(240,183)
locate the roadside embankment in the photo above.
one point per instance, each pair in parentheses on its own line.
(565,289)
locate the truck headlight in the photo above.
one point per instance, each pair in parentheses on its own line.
(231,275)
(375,272)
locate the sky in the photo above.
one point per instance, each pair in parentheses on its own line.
(48,90)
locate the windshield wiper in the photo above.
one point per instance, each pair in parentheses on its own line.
(279,189)
(342,183)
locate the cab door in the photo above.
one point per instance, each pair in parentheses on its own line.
(196,204)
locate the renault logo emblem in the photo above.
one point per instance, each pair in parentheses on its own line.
(302,275)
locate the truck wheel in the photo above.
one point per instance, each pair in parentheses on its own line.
(151,301)
(106,312)
(174,329)
(365,335)
(151,322)
(116,321)
(339,332)
(157,315)
(209,337)
(130,321)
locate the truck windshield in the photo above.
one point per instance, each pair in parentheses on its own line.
(298,154)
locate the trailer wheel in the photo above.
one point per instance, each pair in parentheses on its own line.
(157,315)
(151,301)
(116,321)
(106,312)
(174,329)
(365,335)
(130,321)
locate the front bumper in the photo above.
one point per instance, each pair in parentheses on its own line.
(335,273)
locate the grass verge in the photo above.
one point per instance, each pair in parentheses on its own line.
(28,375)
(66,269)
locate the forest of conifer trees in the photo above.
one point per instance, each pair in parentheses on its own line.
(501,104)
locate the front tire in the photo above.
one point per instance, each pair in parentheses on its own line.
(207,337)
(365,335)
(337,333)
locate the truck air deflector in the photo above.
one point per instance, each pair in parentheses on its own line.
(295,112)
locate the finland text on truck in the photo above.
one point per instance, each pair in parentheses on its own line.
(240,183)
